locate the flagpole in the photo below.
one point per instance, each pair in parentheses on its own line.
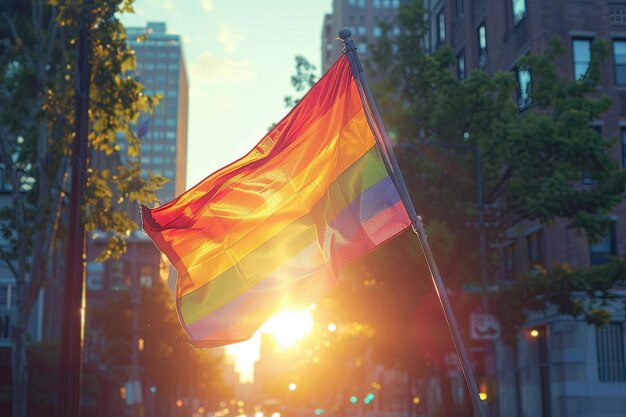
(383,141)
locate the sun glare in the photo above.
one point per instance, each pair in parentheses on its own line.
(289,326)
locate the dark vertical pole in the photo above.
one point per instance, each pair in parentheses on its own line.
(391,163)
(71,359)
(135,301)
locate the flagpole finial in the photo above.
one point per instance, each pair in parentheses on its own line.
(345,33)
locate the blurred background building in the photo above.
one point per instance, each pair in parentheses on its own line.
(363,17)
(161,69)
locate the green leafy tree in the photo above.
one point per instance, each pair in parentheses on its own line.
(304,78)
(37,84)
(532,159)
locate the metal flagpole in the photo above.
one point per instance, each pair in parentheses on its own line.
(376,123)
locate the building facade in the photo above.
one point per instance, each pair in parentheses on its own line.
(363,17)
(560,366)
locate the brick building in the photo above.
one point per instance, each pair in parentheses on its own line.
(363,17)
(561,366)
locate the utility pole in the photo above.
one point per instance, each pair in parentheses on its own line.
(71,355)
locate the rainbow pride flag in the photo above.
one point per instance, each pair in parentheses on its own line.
(273,229)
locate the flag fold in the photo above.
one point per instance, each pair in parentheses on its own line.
(273,229)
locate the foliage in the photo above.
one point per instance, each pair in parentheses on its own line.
(546,151)
(38,75)
(579,293)
(304,78)
(532,160)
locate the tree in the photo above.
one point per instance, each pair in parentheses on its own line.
(167,359)
(304,78)
(424,105)
(37,76)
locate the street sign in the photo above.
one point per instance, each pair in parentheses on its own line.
(133,392)
(472,288)
(484,327)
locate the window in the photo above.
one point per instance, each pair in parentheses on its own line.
(481,33)
(7,296)
(362,30)
(581,56)
(510,260)
(535,245)
(95,275)
(461,65)
(459,7)
(361,4)
(396,31)
(377,31)
(145,276)
(395,4)
(117,280)
(519,10)
(601,251)
(352,2)
(524,84)
(362,48)
(386,4)
(619,62)
(376,4)
(441,27)
(610,346)
(589,178)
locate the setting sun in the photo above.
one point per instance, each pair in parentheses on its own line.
(286,327)
(289,326)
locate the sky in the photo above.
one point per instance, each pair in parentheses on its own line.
(239,56)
